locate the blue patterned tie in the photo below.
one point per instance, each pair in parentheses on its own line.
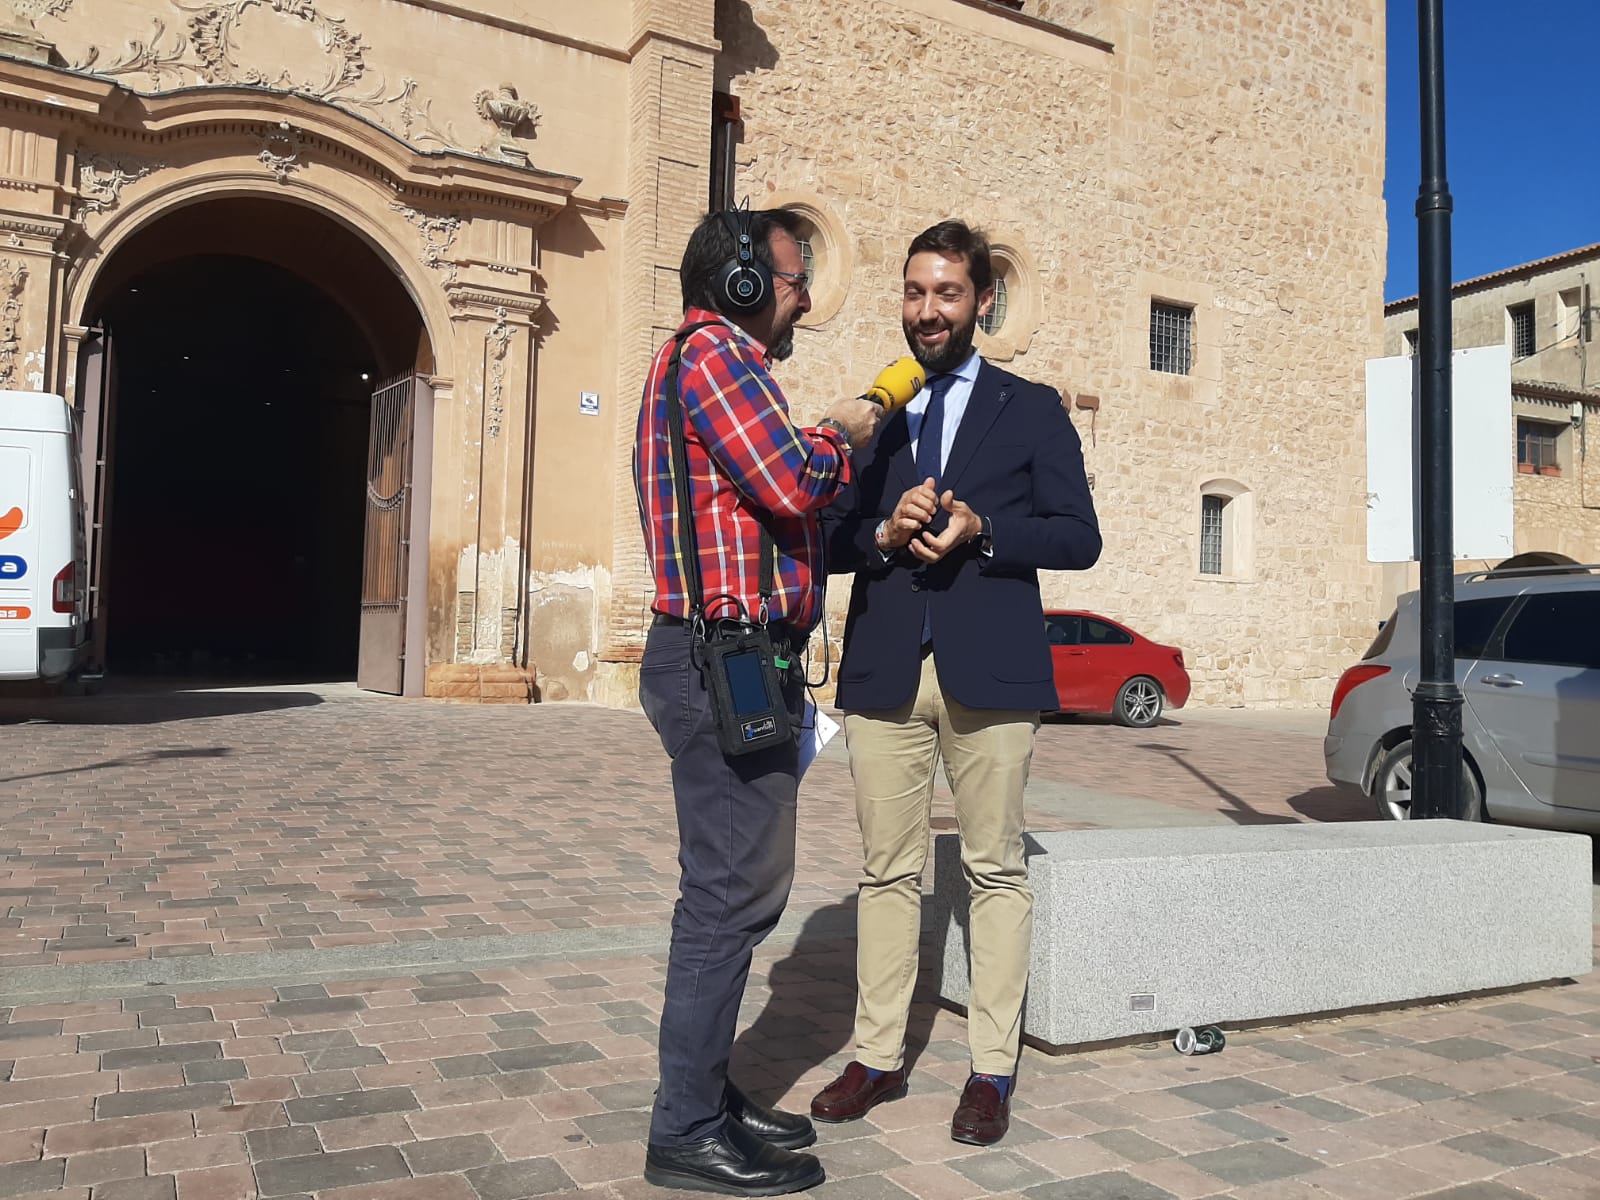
(930,455)
(930,441)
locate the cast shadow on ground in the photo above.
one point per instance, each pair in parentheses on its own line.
(152,707)
(1238,810)
(133,760)
(809,1015)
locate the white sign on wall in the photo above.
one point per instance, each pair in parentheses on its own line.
(589,403)
(1482,427)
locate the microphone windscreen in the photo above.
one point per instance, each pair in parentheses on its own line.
(897,384)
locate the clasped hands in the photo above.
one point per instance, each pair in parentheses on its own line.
(907,526)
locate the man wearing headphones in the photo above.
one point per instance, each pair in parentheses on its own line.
(756,485)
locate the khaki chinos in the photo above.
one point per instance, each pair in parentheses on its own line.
(893,756)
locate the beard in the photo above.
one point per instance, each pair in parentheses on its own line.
(782,344)
(937,360)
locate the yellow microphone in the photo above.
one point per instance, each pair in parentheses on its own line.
(897,384)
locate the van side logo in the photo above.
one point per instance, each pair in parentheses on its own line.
(12,567)
(10,522)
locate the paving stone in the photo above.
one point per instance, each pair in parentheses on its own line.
(465,1066)
(1001,1170)
(518,1180)
(18,1179)
(1463,1049)
(619,1097)
(438,1156)
(1414,1087)
(1252,1162)
(1518,1101)
(1581,1122)
(605,1128)
(1292,1050)
(1241,1126)
(1134,1147)
(157,1100)
(28,1029)
(1498,1148)
(320,1172)
(156,1187)
(527,1058)
(215,1070)
(290,1141)
(569,983)
(1321,1109)
(316,1006)
(457,991)
(343,1105)
(1518,1012)
(1108,1185)
(1226,1093)
(1485,1190)
(346,1058)
(150,1056)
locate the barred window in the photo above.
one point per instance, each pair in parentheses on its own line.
(1523,340)
(1171,338)
(992,321)
(808,255)
(1211,534)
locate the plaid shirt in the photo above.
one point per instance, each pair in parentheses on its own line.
(747,461)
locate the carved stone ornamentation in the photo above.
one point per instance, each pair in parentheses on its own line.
(101,180)
(438,234)
(495,345)
(212,51)
(13,276)
(281,150)
(510,115)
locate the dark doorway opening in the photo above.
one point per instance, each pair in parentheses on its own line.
(246,338)
(240,455)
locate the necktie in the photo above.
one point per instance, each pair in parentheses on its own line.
(930,442)
(930,455)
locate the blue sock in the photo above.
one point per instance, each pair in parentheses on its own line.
(874,1074)
(1002,1083)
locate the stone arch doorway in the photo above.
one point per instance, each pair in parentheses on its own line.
(252,494)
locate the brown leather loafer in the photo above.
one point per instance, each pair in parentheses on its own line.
(849,1097)
(982,1117)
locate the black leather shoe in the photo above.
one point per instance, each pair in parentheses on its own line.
(787,1131)
(735,1163)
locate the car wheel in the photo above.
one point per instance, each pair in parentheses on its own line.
(1391,787)
(1138,703)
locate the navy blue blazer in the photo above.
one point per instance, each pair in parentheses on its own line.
(1017,460)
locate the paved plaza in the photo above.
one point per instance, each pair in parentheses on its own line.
(302,942)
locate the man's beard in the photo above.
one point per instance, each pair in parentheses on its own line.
(782,345)
(947,357)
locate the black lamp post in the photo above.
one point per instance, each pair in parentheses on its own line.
(1436,716)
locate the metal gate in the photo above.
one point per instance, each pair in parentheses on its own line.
(385,572)
(96,413)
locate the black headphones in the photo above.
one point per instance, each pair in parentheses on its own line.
(744,284)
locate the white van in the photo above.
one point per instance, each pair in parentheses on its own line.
(43,569)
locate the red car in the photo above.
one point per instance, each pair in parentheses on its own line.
(1103,667)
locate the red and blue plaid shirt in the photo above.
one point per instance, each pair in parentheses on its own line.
(746,460)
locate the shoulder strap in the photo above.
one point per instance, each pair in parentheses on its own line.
(688,543)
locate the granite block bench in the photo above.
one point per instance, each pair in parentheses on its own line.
(1146,931)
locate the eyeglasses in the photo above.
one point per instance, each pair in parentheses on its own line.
(800,279)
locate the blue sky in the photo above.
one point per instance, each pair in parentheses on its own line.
(1522,133)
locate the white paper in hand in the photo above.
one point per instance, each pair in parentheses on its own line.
(817,732)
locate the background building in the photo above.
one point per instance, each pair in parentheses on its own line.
(1546,312)
(230,224)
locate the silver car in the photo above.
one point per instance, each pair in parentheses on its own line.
(1528,665)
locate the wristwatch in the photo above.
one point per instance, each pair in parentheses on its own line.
(985,538)
(837,426)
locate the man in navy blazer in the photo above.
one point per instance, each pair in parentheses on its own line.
(959,502)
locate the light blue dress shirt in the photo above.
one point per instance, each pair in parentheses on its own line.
(955,407)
